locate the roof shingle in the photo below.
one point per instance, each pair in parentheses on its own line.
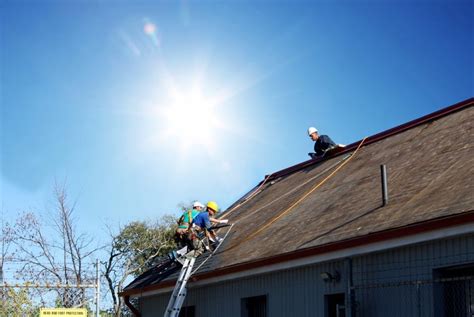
(430,172)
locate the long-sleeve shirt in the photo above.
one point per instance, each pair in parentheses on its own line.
(322,144)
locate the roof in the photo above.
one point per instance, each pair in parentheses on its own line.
(321,205)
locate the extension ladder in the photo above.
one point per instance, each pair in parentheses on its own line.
(179,291)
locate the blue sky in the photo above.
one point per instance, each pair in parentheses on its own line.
(143,105)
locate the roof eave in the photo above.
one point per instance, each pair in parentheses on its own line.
(430,225)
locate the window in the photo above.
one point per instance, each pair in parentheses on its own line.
(254,306)
(454,291)
(187,311)
(335,305)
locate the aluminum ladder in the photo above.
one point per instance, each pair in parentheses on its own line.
(179,291)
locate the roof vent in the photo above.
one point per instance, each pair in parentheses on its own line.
(383,174)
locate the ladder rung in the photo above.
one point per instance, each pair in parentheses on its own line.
(179,292)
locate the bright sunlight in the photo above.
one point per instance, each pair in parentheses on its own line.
(191,119)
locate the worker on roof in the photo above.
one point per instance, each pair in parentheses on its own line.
(184,224)
(203,221)
(212,205)
(202,228)
(322,143)
(183,232)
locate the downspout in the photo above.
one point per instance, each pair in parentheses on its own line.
(135,311)
(350,290)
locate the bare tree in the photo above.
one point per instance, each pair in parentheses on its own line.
(6,241)
(134,249)
(57,255)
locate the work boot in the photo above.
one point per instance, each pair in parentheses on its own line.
(180,260)
(217,242)
(172,255)
(182,251)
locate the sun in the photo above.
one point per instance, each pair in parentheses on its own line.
(191,120)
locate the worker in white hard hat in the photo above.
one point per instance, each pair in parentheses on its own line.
(198,205)
(186,219)
(200,229)
(184,228)
(322,143)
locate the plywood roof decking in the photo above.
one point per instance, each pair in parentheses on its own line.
(430,175)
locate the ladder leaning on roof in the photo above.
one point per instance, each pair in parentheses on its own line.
(179,291)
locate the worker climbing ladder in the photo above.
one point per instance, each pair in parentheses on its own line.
(179,291)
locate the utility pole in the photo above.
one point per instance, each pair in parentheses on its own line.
(2,256)
(97,301)
(2,290)
(2,261)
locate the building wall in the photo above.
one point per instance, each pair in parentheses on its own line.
(401,282)
(397,282)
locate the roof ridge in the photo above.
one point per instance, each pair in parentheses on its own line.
(376,137)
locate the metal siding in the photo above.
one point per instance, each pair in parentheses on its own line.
(409,263)
(300,291)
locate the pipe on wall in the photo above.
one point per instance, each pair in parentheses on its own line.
(350,302)
(383,174)
(135,311)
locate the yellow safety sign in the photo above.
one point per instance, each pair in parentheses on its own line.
(60,312)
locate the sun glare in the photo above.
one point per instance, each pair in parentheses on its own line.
(191,120)
(191,114)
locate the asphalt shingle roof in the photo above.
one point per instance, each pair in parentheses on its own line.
(430,176)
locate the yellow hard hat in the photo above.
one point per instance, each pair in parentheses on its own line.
(213,205)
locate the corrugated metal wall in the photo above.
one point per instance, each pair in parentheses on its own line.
(400,282)
(386,284)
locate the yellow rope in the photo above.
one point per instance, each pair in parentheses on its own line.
(292,190)
(297,202)
(212,253)
(228,212)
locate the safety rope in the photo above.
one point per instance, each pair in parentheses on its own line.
(287,210)
(228,212)
(293,190)
(213,252)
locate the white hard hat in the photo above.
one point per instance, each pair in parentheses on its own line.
(311,130)
(198,204)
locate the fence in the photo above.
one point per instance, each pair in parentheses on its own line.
(451,296)
(24,299)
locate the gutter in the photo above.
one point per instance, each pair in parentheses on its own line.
(430,225)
